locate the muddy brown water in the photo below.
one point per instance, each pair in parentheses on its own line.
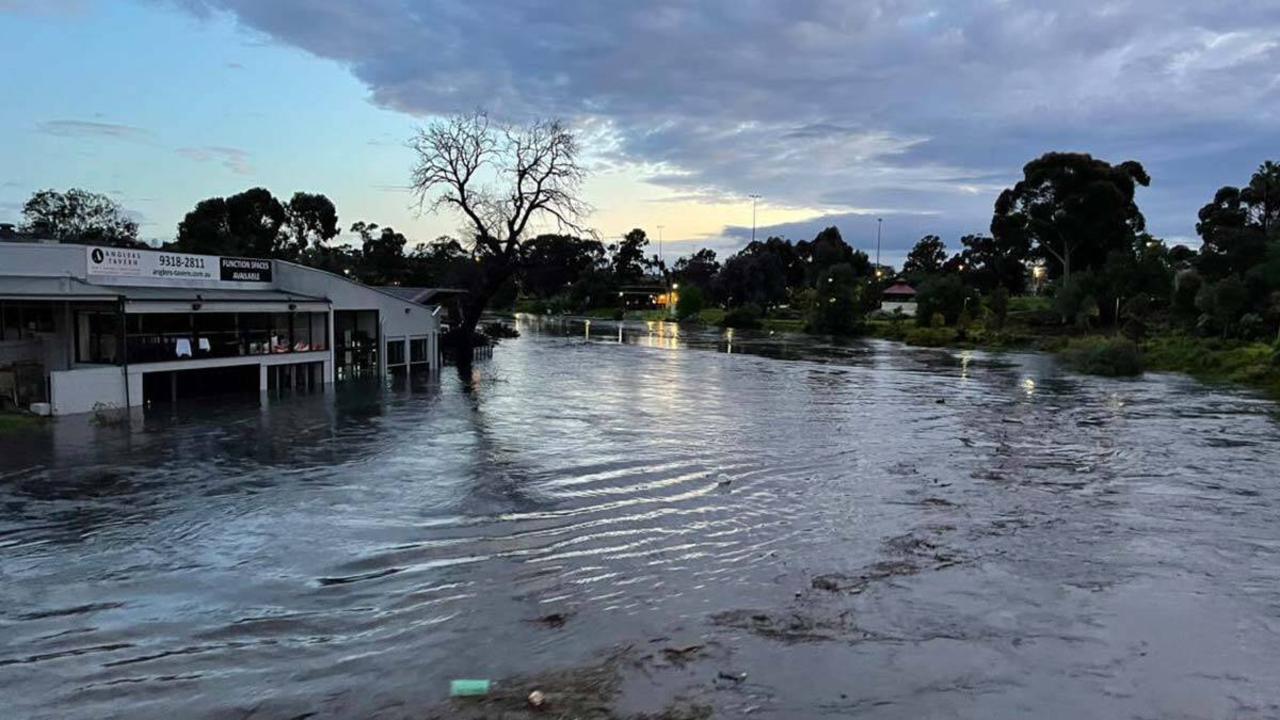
(763,526)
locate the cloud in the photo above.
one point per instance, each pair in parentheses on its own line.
(234,66)
(96,130)
(233,159)
(907,106)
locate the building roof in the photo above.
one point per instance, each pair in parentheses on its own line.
(419,295)
(160,294)
(53,288)
(899,288)
(69,288)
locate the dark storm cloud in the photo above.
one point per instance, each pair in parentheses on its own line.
(884,106)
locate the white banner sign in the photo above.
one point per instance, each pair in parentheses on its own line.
(121,266)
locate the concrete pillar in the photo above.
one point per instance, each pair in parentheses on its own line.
(135,389)
(329,366)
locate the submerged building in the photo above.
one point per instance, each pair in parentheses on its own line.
(83,328)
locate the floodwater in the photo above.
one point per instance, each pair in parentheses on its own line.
(863,530)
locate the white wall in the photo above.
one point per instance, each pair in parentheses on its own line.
(77,391)
(399,319)
(43,260)
(908,308)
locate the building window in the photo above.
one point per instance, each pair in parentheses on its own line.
(395,352)
(160,337)
(418,350)
(217,335)
(281,332)
(98,338)
(24,321)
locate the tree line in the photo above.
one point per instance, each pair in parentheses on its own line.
(1070,227)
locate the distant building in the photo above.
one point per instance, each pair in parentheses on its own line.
(95,327)
(899,297)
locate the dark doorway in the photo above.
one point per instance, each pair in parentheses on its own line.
(176,385)
(355,341)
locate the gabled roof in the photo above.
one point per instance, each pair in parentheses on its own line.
(419,295)
(899,288)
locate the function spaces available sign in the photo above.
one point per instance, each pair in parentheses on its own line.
(233,269)
(148,267)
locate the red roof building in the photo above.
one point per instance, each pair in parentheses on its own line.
(899,292)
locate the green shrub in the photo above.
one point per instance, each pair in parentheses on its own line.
(946,295)
(1076,300)
(998,307)
(690,302)
(836,309)
(1112,357)
(1252,327)
(1186,286)
(930,336)
(746,317)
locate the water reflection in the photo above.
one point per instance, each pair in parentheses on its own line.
(1055,541)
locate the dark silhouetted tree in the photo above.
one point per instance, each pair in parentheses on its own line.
(826,250)
(697,270)
(925,259)
(1074,208)
(79,216)
(249,224)
(382,258)
(313,222)
(552,263)
(837,309)
(991,263)
(627,256)
(540,173)
(756,278)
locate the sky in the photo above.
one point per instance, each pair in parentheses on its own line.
(834,112)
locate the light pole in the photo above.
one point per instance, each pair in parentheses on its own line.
(659,243)
(754,198)
(879,224)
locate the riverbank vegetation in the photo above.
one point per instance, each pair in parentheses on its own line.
(1067,264)
(14,422)
(1068,267)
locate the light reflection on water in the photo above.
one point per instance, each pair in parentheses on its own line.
(1075,546)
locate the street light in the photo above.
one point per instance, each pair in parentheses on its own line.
(659,242)
(879,224)
(754,197)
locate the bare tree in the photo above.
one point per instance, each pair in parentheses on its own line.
(499,179)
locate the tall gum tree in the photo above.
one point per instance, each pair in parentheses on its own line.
(1074,208)
(501,180)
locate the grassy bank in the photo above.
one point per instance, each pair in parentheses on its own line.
(1213,360)
(1254,364)
(14,422)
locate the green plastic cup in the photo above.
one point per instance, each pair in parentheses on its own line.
(468,688)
